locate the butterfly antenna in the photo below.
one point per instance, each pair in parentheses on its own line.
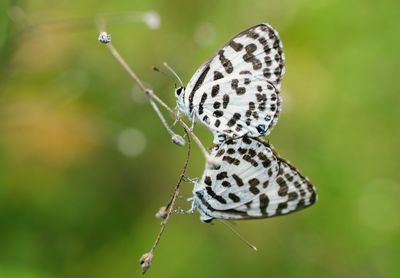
(173,73)
(233,230)
(172,77)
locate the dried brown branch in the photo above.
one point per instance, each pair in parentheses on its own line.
(146,259)
(164,212)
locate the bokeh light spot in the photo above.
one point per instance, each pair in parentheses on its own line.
(205,34)
(131,142)
(152,19)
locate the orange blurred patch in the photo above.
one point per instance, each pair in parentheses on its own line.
(43,50)
(37,131)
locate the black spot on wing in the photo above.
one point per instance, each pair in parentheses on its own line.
(201,104)
(234,119)
(249,57)
(225,101)
(226,184)
(236,46)
(215,90)
(254,182)
(225,62)
(220,152)
(250,160)
(207,180)
(217,105)
(238,180)
(283,187)
(234,197)
(246,140)
(215,196)
(231,160)
(264,201)
(197,85)
(281,207)
(252,34)
(292,196)
(218,113)
(218,75)
(253,186)
(222,175)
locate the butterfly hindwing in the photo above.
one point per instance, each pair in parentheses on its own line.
(289,193)
(239,106)
(246,168)
(271,186)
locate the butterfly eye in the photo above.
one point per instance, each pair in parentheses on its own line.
(179,91)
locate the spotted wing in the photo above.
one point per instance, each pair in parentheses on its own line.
(270,186)
(238,106)
(256,51)
(246,168)
(289,193)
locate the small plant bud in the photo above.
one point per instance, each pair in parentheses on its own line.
(162,213)
(178,140)
(104,37)
(145,261)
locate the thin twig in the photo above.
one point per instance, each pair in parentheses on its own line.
(147,258)
(151,18)
(177,139)
(153,96)
(171,203)
(165,212)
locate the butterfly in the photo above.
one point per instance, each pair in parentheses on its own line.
(237,91)
(251,182)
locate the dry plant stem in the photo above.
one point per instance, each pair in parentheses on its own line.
(85,21)
(171,203)
(153,96)
(147,258)
(142,87)
(162,119)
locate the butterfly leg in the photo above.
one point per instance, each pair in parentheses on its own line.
(180,211)
(177,116)
(193,207)
(190,180)
(193,118)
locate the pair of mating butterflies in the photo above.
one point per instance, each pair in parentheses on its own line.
(236,94)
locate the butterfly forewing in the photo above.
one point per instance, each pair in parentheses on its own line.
(253,56)
(270,186)
(257,50)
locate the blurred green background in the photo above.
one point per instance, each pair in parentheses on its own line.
(85,163)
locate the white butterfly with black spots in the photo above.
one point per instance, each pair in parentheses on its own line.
(236,92)
(251,182)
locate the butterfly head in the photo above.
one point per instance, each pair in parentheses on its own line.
(179,91)
(180,98)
